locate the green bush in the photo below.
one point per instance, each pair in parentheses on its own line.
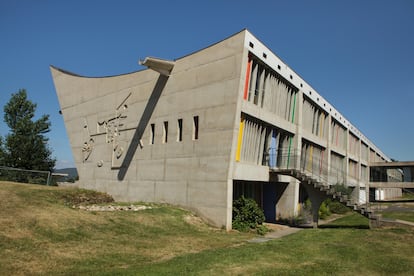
(324,211)
(247,215)
(337,207)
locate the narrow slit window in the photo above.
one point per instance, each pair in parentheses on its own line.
(165,132)
(195,128)
(152,134)
(179,130)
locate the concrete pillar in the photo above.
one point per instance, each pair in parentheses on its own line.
(328,148)
(287,205)
(346,157)
(316,197)
(298,135)
(358,185)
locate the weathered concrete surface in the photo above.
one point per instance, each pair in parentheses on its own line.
(106,117)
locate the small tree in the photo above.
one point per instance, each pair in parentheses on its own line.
(1,151)
(25,146)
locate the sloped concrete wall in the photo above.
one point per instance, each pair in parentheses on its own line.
(102,114)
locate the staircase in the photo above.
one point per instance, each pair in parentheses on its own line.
(330,192)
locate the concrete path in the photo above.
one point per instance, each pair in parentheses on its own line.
(399,221)
(278,231)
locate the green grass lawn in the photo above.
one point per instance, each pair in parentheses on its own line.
(399,215)
(40,233)
(398,210)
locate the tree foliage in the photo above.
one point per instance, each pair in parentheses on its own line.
(25,146)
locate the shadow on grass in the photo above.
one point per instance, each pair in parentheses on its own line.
(332,226)
(350,221)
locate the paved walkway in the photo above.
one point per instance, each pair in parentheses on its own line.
(278,231)
(399,221)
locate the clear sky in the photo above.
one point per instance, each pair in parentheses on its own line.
(359,55)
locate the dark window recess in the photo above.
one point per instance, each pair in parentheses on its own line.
(152,134)
(180,130)
(264,55)
(195,128)
(165,134)
(251,44)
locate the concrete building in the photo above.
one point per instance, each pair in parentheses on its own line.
(209,127)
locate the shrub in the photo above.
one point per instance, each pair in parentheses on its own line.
(247,215)
(337,207)
(324,211)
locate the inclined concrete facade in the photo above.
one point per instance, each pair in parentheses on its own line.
(185,137)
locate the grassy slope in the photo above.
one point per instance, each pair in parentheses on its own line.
(39,234)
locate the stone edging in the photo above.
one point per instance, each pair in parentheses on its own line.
(112,208)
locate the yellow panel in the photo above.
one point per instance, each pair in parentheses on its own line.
(321,124)
(310,158)
(239,140)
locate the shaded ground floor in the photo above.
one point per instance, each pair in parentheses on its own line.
(278,200)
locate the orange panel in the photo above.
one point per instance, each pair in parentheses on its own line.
(246,84)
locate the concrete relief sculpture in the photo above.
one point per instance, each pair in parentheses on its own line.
(111,127)
(88,144)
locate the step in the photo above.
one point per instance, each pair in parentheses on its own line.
(331,191)
(372,215)
(324,188)
(350,203)
(343,199)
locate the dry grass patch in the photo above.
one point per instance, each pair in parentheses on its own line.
(41,233)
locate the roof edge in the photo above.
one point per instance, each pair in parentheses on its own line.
(66,72)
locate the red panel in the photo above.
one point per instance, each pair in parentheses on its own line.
(246,84)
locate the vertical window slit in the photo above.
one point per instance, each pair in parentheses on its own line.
(152,134)
(180,130)
(195,128)
(165,132)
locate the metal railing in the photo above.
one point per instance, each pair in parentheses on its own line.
(25,176)
(314,168)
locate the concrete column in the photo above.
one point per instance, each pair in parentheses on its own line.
(298,135)
(229,205)
(328,147)
(287,205)
(357,186)
(346,157)
(316,197)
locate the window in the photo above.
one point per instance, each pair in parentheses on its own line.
(165,133)
(152,134)
(195,128)
(179,130)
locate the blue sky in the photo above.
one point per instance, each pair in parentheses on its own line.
(359,55)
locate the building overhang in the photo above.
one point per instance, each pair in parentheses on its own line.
(162,66)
